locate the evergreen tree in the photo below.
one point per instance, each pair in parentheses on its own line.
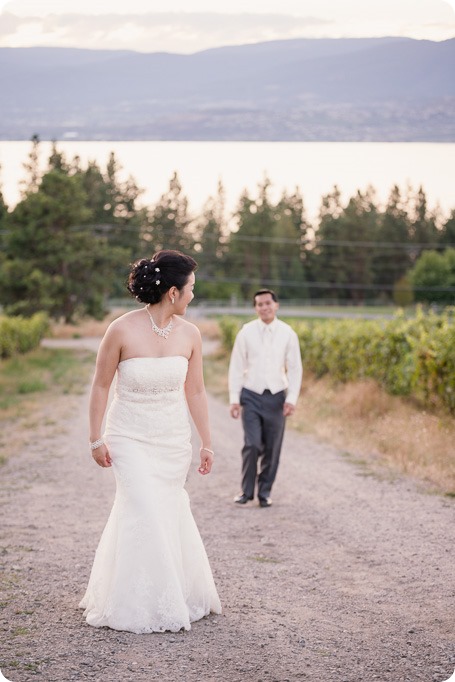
(433,277)
(447,234)
(251,246)
(53,261)
(98,198)
(57,159)
(423,229)
(169,224)
(32,181)
(212,248)
(113,205)
(268,247)
(391,258)
(3,232)
(291,233)
(343,245)
(113,211)
(325,259)
(358,222)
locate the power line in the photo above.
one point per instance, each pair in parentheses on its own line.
(324,285)
(105,228)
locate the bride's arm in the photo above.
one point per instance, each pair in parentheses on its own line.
(106,364)
(197,402)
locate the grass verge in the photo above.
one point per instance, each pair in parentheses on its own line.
(32,391)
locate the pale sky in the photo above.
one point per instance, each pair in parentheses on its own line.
(187,26)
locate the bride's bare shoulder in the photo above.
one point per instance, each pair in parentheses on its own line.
(189,328)
(126,321)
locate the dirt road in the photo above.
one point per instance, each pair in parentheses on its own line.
(347,578)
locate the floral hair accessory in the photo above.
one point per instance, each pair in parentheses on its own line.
(157,282)
(157,269)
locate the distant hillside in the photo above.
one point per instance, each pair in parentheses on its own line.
(392,89)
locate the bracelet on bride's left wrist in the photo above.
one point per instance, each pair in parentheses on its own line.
(206,449)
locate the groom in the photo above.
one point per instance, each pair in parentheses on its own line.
(265,375)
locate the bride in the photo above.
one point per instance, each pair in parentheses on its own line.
(151,572)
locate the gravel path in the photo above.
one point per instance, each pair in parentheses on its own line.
(347,578)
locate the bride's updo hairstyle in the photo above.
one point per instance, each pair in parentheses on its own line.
(149,280)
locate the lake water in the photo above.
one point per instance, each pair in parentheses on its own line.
(315,167)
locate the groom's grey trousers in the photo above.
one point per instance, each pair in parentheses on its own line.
(263,426)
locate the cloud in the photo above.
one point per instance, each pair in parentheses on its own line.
(371,10)
(187,32)
(173,32)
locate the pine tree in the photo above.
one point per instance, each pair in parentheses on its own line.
(447,234)
(291,234)
(325,258)
(169,224)
(343,251)
(391,258)
(57,159)
(54,261)
(32,168)
(423,229)
(251,246)
(211,248)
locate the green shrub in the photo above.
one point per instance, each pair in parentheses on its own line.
(413,357)
(20,334)
(229,327)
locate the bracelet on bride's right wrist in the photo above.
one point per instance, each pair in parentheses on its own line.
(96,444)
(207,450)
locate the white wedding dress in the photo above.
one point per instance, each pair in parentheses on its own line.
(151,571)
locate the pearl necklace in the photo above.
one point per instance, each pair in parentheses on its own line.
(165,331)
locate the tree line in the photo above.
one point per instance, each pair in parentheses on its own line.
(67,244)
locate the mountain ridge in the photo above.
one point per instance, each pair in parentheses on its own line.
(391,89)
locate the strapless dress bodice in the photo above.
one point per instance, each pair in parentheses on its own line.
(151,378)
(149,401)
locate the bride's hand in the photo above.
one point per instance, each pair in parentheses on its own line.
(206,461)
(101,456)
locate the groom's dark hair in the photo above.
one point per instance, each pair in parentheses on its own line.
(265,291)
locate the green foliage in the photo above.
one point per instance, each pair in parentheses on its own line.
(211,249)
(54,372)
(267,248)
(432,275)
(448,231)
(19,335)
(411,357)
(423,225)
(403,294)
(53,259)
(169,223)
(391,260)
(340,257)
(229,327)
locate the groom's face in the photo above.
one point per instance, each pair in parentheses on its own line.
(265,307)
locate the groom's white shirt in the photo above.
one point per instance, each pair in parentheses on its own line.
(265,356)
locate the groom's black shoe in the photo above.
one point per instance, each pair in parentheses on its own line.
(265,502)
(241,499)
